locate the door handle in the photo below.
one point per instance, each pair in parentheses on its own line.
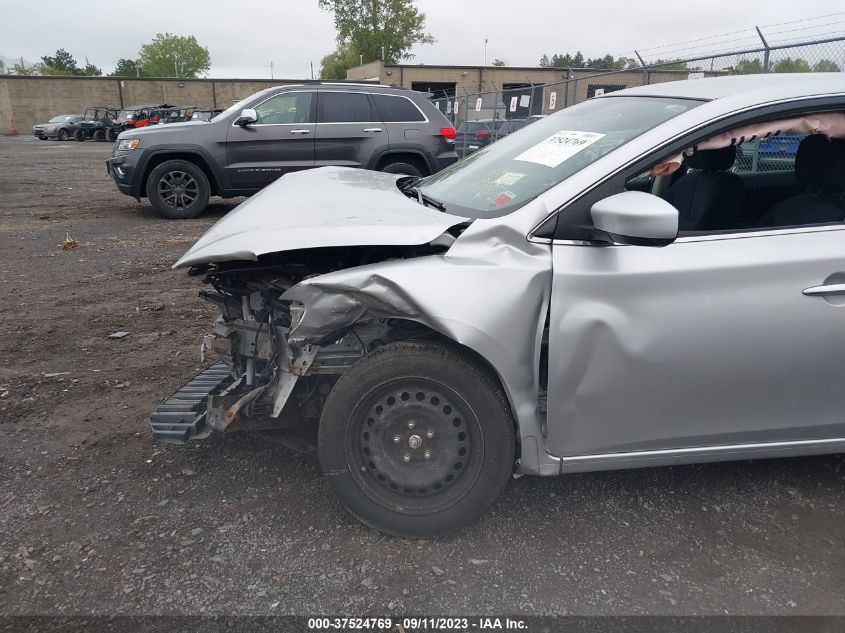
(372,129)
(819,291)
(300,131)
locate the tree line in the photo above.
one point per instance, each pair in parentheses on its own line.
(166,55)
(742,67)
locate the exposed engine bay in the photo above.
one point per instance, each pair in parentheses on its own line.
(276,384)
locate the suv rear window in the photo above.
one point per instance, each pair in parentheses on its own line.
(397,109)
(344,107)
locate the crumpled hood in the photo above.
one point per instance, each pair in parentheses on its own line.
(330,206)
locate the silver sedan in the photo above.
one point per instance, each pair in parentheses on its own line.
(607,288)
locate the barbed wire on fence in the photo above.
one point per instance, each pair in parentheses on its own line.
(490,110)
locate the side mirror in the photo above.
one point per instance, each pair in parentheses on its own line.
(636,218)
(246,117)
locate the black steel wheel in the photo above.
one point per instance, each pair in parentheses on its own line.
(100,136)
(178,189)
(416,440)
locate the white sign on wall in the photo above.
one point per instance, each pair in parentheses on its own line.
(514,101)
(552,100)
(478,104)
(524,101)
(599,92)
(448,107)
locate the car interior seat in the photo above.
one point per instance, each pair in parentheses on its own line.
(820,172)
(709,197)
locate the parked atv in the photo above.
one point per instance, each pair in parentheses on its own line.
(96,124)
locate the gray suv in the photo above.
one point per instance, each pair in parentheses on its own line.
(276,131)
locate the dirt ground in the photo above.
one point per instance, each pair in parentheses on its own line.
(97,519)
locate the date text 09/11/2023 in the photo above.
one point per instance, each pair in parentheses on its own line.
(413,624)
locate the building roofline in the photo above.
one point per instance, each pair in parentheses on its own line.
(532,68)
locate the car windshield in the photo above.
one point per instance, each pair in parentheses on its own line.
(61,119)
(502,177)
(124,115)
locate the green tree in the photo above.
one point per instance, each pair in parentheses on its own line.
(826,66)
(62,63)
(127,68)
(544,61)
(91,70)
(378,29)
(568,61)
(669,64)
(499,63)
(336,63)
(26,70)
(174,56)
(748,67)
(789,65)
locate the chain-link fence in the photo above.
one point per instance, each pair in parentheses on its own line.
(483,117)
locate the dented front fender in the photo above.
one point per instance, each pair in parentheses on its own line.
(490,292)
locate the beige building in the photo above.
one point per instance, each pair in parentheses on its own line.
(536,90)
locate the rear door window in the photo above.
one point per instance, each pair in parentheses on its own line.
(397,109)
(344,107)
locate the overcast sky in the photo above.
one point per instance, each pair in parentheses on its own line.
(244,36)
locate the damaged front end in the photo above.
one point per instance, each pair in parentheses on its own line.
(264,378)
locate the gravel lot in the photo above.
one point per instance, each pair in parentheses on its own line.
(96,519)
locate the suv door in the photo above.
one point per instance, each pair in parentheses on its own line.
(280,141)
(349,131)
(403,120)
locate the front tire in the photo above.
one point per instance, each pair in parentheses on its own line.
(416,440)
(62,135)
(178,190)
(401,168)
(100,136)
(112,135)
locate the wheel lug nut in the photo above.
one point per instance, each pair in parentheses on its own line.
(427,454)
(396,439)
(411,424)
(406,457)
(363,469)
(430,434)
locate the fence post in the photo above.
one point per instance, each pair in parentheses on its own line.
(766,51)
(645,70)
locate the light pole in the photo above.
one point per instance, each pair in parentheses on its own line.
(485,51)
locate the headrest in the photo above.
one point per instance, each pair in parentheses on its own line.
(820,164)
(713,159)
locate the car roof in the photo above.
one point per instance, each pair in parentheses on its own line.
(754,87)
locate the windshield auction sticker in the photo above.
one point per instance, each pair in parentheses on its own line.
(559,147)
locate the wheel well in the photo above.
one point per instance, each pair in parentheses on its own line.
(404,157)
(425,333)
(197,160)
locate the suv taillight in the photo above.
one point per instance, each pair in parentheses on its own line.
(448,133)
(482,134)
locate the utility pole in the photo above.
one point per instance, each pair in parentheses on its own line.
(485,52)
(312,71)
(272,76)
